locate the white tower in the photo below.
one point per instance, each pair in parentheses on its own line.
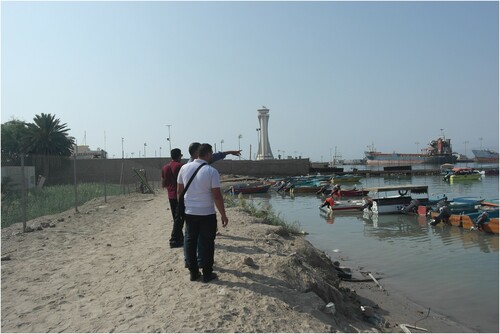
(264,152)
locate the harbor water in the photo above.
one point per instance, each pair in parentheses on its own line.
(452,271)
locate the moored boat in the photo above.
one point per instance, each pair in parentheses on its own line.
(249,188)
(466,221)
(486,156)
(462,173)
(438,152)
(346,178)
(392,199)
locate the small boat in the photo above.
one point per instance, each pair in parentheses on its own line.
(352,192)
(346,206)
(346,178)
(249,188)
(467,220)
(462,173)
(393,199)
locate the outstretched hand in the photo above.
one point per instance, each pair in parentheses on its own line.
(235,152)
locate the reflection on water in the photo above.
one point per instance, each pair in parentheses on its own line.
(442,267)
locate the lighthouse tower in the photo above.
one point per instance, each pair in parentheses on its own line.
(264,152)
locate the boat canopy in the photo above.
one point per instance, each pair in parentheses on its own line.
(411,188)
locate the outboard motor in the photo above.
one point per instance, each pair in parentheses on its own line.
(412,207)
(444,215)
(480,220)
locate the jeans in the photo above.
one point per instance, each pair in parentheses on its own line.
(200,236)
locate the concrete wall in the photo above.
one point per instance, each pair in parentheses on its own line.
(111,170)
(15,174)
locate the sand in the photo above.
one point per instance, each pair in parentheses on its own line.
(108,268)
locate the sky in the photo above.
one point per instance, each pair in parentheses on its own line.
(337,77)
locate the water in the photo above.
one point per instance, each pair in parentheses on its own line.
(453,271)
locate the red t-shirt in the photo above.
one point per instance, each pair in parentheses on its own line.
(169,174)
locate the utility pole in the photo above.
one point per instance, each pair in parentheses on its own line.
(169,139)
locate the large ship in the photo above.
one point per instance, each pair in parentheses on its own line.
(438,152)
(486,155)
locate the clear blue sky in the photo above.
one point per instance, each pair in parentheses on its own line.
(338,75)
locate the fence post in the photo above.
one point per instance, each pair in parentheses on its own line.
(23,192)
(74,178)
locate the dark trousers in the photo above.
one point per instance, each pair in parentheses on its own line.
(173,206)
(177,236)
(200,235)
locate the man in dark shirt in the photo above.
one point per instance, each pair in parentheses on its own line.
(169,175)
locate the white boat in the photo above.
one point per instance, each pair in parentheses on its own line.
(392,199)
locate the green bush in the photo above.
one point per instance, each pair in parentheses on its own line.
(51,200)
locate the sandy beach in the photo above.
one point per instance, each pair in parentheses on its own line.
(108,268)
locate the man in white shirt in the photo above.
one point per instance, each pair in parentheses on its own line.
(201,198)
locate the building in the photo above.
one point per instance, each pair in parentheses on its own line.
(84,152)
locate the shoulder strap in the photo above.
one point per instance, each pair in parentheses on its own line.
(191,179)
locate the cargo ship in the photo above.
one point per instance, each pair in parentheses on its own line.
(486,156)
(438,152)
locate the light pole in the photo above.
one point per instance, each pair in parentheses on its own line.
(239,148)
(442,132)
(145,149)
(258,141)
(416,143)
(160,151)
(221,141)
(169,139)
(480,143)
(123,155)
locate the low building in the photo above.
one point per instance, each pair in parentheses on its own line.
(84,152)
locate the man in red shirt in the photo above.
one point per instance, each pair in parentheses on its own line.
(169,174)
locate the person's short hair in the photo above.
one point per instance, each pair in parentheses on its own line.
(204,149)
(193,148)
(175,153)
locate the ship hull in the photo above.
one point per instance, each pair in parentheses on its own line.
(408,159)
(486,156)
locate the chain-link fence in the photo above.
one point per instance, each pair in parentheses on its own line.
(38,186)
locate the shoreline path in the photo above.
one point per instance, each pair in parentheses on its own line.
(109,268)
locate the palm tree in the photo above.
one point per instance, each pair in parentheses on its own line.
(47,141)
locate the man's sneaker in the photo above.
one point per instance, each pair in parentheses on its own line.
(473,228)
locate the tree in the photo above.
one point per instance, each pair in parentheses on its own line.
(47,141)
(13,135)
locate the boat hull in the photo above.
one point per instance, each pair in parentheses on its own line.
(487,156)
(466,221)
(411,159)
(250,189)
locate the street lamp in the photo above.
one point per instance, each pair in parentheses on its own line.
(221,141)
(480,143)
(416,143)
(145,149)
(465,144)
(169,138)
(160,151)
(123,155)
(239,148)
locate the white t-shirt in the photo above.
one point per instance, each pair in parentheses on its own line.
(198,199)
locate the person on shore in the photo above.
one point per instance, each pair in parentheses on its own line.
(201,199)
(169,174)
(178,236)
(169,180)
